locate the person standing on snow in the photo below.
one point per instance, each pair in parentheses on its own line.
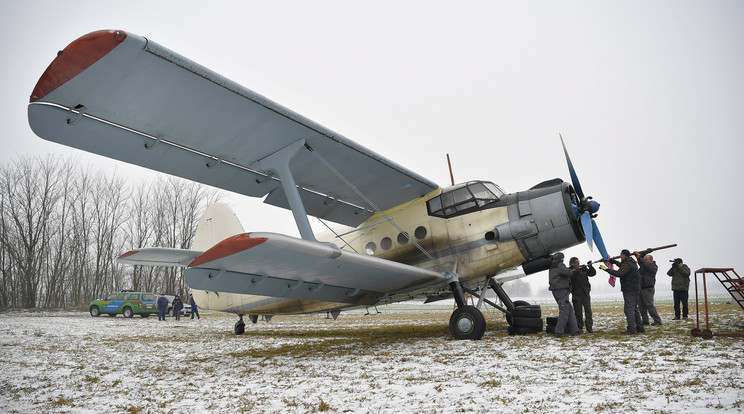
(194,308)
(580,288)
(177,306)
(162,307)
(680,275)
(630,285)
(647,269)
(559,279)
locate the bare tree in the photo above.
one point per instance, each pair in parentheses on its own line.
(31,194)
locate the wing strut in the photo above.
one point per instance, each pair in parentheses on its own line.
(371,204)
(278,162)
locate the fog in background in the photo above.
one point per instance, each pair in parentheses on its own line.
(649,97)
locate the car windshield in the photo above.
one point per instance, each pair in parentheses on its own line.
(111,297)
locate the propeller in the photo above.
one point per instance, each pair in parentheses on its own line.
(586,210)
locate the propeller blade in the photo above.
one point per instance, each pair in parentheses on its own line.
(587,224)
(598,241)
(574,177)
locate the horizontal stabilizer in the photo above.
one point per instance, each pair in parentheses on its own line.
(159,256)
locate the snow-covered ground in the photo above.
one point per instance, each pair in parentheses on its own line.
(402,360)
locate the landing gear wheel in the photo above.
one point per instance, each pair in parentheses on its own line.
(521,303)
(239,327)
(695,332)
(707,334)
(467,322)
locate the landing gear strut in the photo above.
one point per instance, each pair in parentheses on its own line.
(239,326)
(466,322)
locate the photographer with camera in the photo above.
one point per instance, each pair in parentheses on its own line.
(680,275)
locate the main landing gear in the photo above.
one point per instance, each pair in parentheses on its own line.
(466,322)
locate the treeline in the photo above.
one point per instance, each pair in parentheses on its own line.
(63,226)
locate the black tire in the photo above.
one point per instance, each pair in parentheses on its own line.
(518,303)
(550,329)
(127,312)
(239,327)
(551,321)
(519,330)
(95,311)
(531,311)
(706,334)
(467,322)
(528,322)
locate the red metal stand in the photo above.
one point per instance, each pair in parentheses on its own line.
(733,284)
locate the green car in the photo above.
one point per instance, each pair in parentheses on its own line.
(126,302)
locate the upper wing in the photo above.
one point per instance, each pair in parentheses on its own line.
(123,96)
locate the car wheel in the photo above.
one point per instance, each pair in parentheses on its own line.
(94,311)
(127,312)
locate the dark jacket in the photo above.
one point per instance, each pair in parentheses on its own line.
(630,279)
(559,276)
(162,302)
(177,304)
(580,285)
(680,277)
(648,273)
(193,304)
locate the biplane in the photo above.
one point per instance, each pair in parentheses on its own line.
(400,236)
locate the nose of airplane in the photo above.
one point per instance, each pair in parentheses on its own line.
(542,220)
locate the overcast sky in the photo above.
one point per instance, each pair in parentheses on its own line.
(649,96)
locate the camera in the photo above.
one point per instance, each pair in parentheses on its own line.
(676,262)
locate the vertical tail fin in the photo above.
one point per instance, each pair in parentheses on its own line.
(216,224)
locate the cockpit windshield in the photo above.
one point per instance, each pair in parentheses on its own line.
(464,198)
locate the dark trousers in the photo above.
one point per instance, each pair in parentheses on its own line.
(632,315)
(566,317)
(195,311)
(680,296)
(646,305)
(585,303)
(161,313)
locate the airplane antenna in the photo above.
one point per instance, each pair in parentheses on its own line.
(449,164)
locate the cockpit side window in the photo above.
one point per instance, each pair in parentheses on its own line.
(463,198)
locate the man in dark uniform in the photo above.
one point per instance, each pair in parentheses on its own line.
(647,269)
(580,288)
(630,285)
(559,278)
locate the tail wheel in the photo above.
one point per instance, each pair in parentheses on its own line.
(467,322)
(707,334)
(239,327)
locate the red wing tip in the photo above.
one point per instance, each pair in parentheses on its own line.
(127,254)
(75,58)
(228,247)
